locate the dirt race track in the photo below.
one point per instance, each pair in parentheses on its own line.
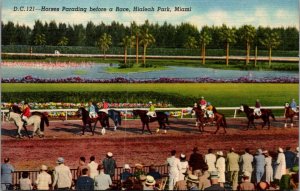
(130,146)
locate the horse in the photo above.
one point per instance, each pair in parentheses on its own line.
(289,113)
(161,118)
(202,120)
(37,119)
(114,115)
(265,114)
(87,120)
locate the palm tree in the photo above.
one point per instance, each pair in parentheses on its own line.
(127,42)
(136,31)
(205,39)
(146,40)
(63,41)
(104,42)
(40,39)
(191,43)
(247,33)
(227,36)
(271,41)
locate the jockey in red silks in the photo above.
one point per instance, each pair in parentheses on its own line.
(26,113)
(104,106)
(202,103)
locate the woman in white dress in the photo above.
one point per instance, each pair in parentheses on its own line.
(269,168)
(220,165)
(281,165)
(184,166)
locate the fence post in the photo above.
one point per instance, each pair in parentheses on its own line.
(66,115)
(234,115)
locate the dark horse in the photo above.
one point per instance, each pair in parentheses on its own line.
(202,120)
(289,113)
(265,115)
(44,118)
(103,118)
(161,118)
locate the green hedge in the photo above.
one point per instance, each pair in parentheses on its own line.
(113,97)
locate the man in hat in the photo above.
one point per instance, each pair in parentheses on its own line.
(233,167)
(154,173)
(43,179)
(196,161)
(184,166)
(109,164)
(269,167)
(151,112)
(92,166)
(103,180)
(6,174)
(149,183)
(281,165)
(204,181)
(246,184)
(192,182)
(62,176)
(246,161)
(221,167)
(138,171)
(260,162)
(126,173)
(289,158)
(84,182)
(210,160)
(174,169)
(214,179)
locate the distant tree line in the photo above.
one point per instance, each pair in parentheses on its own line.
(166,35)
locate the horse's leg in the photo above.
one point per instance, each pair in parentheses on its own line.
(83,128)
(292,122)
(148,128)
(160,126)
(143,128)
(285,124)
(218,125)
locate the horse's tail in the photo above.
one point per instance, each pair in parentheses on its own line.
(167,119)
(272,115)
(44,120)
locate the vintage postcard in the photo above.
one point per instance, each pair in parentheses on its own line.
(156,94)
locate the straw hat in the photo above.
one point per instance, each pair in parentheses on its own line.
(150,181)
(60,160)
(193,178)
(138,165)
(220,153)
(126,166)
(109,154)
(182,156)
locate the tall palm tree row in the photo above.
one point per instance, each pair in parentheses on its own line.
(205,39)
(247,33)
(228,36)
(127,42)
(271,41)
(104,43)
(63,41)
(136,31)
(146,40)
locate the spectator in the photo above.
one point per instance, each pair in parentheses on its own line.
(233,167)
(246,161)
(269,167)
(6,174)
(204,181)
(262,186)
(210,159)
(154,173)
(289,158)
(43,179)
(215,183)
(281,165)
(294,181)
(138,171)
(182,184)
(140,183)
(62,175)
(84,182)
(150,183)
(196,161)
(126,173)
(184,166)
(221,168)
(82,165)
(192,182)
(246,182)
(93,167)
(25,182)
(109,164)
(259,160)
(174,169)
(102,181)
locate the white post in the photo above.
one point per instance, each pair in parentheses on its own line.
(234,113)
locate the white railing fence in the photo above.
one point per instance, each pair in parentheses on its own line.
(125,110)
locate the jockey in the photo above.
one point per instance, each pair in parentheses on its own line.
(26,113)
(293,105)
(92,110)
(202,103)
(209,110)
(257,108)
(151,112)
(104,106)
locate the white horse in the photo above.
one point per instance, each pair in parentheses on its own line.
(34,120)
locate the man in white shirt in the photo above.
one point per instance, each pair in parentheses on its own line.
(102,181)
(62,176)
(174,169)
(210,160)
(93,167)
(43,179)
(246,161)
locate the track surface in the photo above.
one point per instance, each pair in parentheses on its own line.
(130,146)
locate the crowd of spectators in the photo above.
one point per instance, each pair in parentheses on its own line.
(214,170)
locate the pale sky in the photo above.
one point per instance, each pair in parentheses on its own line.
(273,13)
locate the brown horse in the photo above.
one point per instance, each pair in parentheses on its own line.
(161,118)
(289,113)
(202,119)
(265,115)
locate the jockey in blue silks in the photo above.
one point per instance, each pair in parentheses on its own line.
(92,110)
(293,105)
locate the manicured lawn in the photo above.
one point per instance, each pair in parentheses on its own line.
(220,94)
